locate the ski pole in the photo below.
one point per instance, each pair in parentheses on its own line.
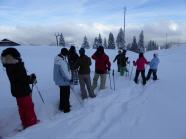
(110,80)
(39,94)
(113,79)
(128,69)
(32,87)
(131,72)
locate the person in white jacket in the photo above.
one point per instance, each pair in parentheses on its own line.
(62,78)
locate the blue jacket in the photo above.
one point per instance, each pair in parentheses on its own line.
(61,72)
(154,63)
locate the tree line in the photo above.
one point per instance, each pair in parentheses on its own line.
(111,43)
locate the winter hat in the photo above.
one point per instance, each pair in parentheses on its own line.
(64,51)
(72,49)
(124,51)
(82,51)
(101,49)
(141,55)
(11,51)
(155,54)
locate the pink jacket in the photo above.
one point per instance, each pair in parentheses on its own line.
(140,63)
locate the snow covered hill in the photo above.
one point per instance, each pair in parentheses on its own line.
(156,111)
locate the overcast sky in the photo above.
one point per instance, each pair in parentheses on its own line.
(36,21)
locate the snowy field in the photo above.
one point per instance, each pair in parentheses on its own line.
(156,111)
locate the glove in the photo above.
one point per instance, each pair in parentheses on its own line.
(134,62)
(33,79)
(108,69)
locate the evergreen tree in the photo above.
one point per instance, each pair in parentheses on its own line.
(85,43)
(141,46)
(95,45)
(134,46)
(129,45)
(152,45)
(111,42)
(100,40)
(105,43)
(120,39)
(61,40)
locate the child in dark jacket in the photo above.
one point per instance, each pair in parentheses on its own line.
(118,59)
(140,63)
(19,82)
(122,61)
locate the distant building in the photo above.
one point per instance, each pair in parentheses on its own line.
(6,42)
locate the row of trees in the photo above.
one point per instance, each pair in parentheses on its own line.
(110,44)
(152,45)
(99,42)
(135,46)
(139,46)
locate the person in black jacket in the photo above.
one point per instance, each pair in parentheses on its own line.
(19,82)
(122,61)
(118,59)
(72,59)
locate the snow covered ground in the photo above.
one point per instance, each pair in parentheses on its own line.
(156,111)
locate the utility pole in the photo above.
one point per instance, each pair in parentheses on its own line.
(57,41)
(166,46)
(125,10)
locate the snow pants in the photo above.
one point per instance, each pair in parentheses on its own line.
(122,71)
(84,80)
(103,78)
(26,111)
(142,75)
(118,67)
(152,71)
(64,104)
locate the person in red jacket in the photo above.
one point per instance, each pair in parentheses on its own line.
(140,63)
(102,65)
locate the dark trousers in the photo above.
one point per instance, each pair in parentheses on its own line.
(142,75)
(64,104)
(118,67)
(152,71)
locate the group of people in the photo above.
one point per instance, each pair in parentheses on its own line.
(140,67)
(69,68)
(140,63)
